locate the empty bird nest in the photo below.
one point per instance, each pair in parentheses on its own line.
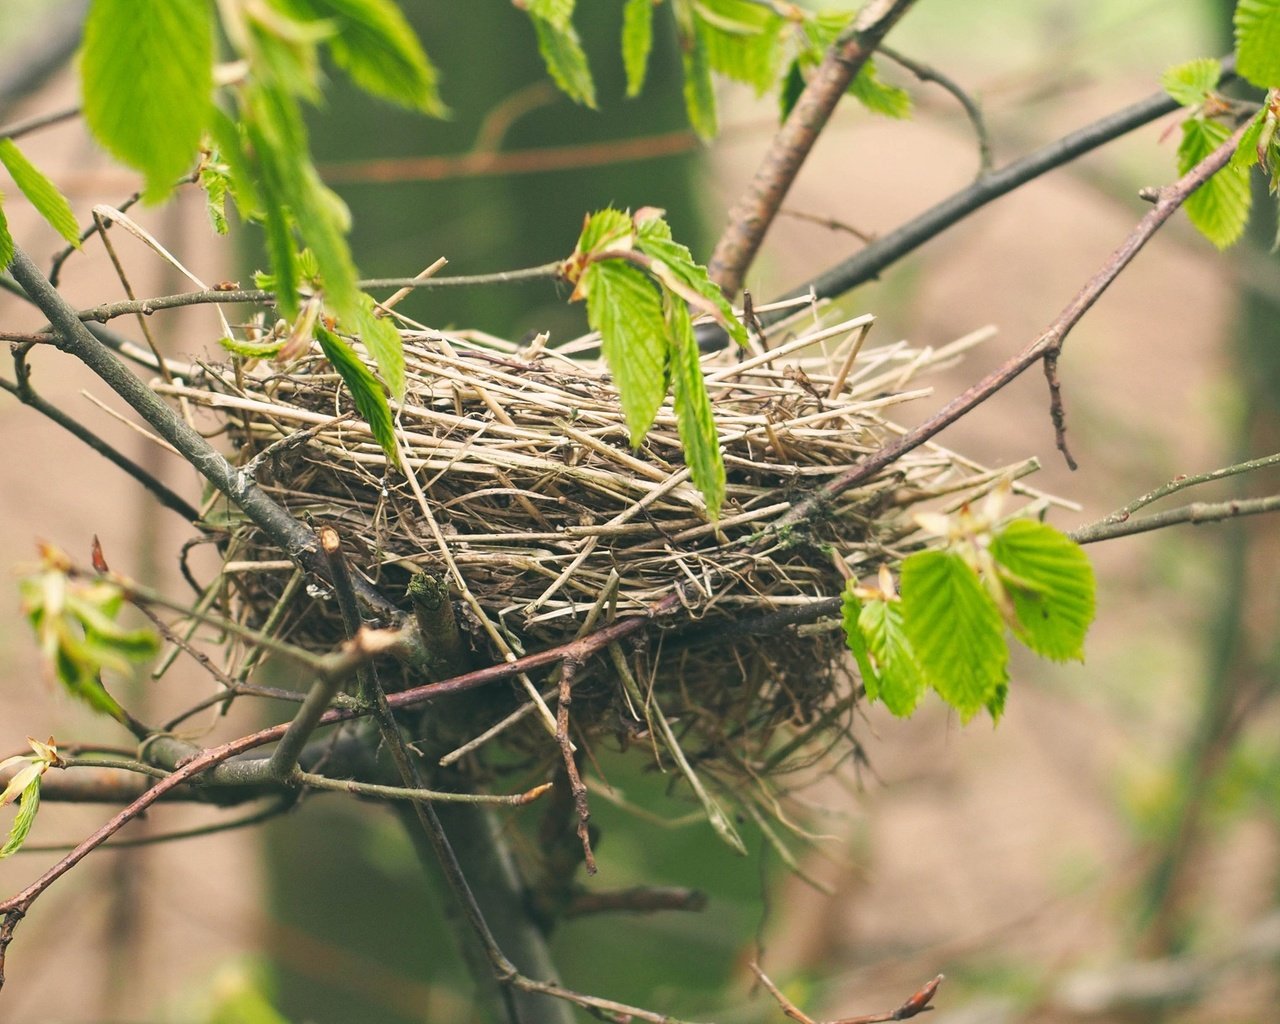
(529,503)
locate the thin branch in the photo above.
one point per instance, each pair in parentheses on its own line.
(1197,513)
(293,538)
(1183,481)
(866,264)
(372,789)
(928,73)
(568,672)
(195,832)
(1049,342)
(34,124)
(160,491)
(754,211)
(915,1004)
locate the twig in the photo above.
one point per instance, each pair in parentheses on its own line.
(1050,341)
(160,491)
(292,537)
(644,899)
(372,789)
(866,264)
(915,1005)
(33,124)
(568,670)
(754,211)
(928,73)
(1196,513)
(1183,481)
(284,761)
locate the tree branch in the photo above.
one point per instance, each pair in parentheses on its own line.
(1048,343)
(292,537)
(759,204)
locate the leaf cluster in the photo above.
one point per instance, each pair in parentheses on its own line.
(763,45)
(1220,208)
(947,628)
(639,284)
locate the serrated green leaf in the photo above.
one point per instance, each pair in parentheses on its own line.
(296,198)
(694,417)
(878,96)
(606,229)
(1050,580)
(6,239)
(380,337)
(653,238)
(850,613)
(637,41)
(558,13)
(955,630)
(901,682)
(147,74)
(566,60)
(1220,207)
(1246,154)
(372,41)
(699,90)
(1189,83)
(743,40)
(42,193)
(214,182)
(624,306)
(366,392)
(25,818)
(1258,42)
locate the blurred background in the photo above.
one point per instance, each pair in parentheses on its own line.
(1108,853)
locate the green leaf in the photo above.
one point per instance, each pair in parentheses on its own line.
(606,229)
(653,238)
(43,194)
(253,349)
(637,41)
(742,40)
(372,41)
(699,91)
(380,337)
(901,682)
(1246,154)
(566,60)
(850,617)
(1220,207)
(877,96)
(25,818)
(288,179)
(1258,42)
(1191,82)
(6,239)
(955,629)
(557,13)
(793,84)
(229,153)
(215,182)
(694,418)
(625,307)
(147,82)
(1050,580)
(370,399)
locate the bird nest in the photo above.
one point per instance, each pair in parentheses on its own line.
(521,491)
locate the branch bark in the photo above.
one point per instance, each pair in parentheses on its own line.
(754,211)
